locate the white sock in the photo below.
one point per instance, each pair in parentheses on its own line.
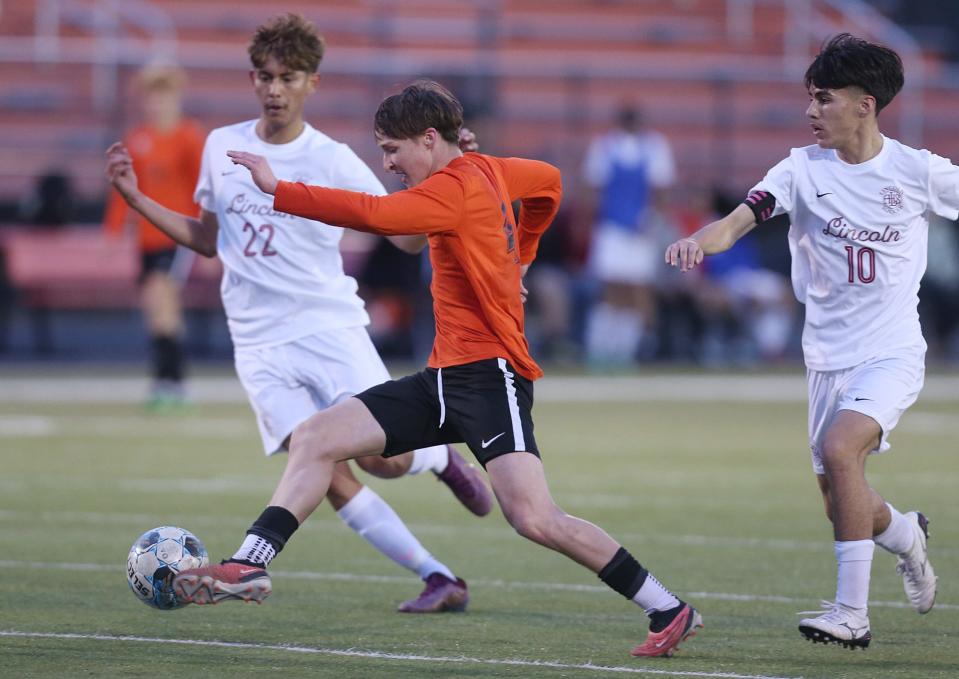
(652,596)
(256,550)
(629,334)
(434,458)
(601,333)
(376,522)
(854,558)
(899,536)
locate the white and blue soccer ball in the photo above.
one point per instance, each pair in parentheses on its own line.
(155,559)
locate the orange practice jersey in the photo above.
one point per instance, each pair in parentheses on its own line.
(476,246)
(167,166)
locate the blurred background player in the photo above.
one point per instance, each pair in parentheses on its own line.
(859,206)
(629,169)
(165,150)
(297,324)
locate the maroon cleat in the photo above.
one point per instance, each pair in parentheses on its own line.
(440,594)
(467,484)
(227,580)
(664,642)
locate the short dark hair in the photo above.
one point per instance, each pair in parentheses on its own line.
(846,60)
(291,39)
(629,117)
(420,106)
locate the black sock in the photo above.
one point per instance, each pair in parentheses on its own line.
(624,574)
(167,358)
(275,525)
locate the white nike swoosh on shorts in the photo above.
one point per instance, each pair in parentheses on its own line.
(485,444)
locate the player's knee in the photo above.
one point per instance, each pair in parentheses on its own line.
(838,456)
(385,468)
(536,526)
(308,440)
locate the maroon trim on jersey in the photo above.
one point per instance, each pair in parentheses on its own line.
(762,203)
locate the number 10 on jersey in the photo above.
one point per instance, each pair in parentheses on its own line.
(862,264)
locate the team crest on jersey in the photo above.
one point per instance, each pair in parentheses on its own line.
(892,199)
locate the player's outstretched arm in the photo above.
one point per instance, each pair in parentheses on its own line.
(197,234)
(259,168)
(715,237)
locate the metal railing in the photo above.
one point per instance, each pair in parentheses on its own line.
(106,21)
(120,33)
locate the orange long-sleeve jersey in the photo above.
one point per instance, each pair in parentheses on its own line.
(476,245)
(167,166)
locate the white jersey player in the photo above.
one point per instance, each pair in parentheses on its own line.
(859,206)
(297,324)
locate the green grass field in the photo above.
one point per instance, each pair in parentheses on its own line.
(716,497)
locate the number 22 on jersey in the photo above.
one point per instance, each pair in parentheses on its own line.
(265,232)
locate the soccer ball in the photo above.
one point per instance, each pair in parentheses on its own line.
(156,557)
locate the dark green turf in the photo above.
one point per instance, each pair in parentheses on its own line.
(713,498)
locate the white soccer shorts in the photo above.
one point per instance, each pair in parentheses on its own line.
(881,388)
(618,256)
(288,383)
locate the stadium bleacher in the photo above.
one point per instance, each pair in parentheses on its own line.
(546,80)
(538,79)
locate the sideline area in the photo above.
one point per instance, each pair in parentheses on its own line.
(221,386)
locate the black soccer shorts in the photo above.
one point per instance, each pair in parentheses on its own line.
(158,260)
(485,404)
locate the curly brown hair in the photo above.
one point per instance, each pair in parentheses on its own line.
(292,40)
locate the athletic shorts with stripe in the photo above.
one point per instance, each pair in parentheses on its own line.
(485,404)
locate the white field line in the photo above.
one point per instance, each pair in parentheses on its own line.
(318,523)
(499,584)
(674,388)
(143,428)
(378,655)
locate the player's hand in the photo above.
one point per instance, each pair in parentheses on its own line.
(119,170)
(523,292)
(685,253)
(259,168)
(467,140)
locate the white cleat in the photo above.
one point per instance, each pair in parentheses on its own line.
(918,578)
(840,624)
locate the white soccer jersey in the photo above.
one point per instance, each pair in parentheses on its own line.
(282,275)
(858,239)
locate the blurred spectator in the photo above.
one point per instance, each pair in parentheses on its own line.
(51,202)
(630,168)
(388,280)
(166,150)
(939,292)
(681,324)
(748,309)
(550,281)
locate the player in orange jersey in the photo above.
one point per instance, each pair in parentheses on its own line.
(166,152)
(478,386)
